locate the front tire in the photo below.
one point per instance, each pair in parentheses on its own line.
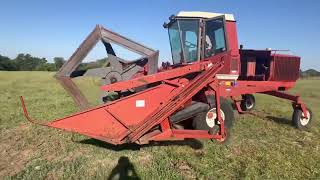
(301,122)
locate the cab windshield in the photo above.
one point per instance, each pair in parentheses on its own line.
(183,35)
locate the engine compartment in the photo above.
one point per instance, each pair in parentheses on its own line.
(266,65)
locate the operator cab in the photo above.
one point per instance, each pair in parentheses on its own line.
(196,36)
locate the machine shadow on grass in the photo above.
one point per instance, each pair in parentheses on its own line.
(280,120)
(193,143)
(123,170)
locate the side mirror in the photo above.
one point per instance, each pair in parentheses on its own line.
(171,18)
(165,25)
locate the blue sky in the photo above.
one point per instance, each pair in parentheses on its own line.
(56,28)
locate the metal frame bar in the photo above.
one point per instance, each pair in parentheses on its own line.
(144,80)
(99,33)
(296,100)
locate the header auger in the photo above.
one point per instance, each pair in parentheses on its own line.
(187,99)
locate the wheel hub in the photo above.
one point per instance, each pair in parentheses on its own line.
(249,103)
(305,120)
(211,117)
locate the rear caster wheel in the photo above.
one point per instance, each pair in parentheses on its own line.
(248,102)
(299,121)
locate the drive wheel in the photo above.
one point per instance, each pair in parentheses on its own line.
(299,121)
(248,102)
(208,120)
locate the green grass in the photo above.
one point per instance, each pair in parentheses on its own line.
(259,148)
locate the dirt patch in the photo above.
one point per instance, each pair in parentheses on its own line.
(144,158)
(236,151)
(185,170)
(52,175)
(13,159)
(199,153)
(20,145)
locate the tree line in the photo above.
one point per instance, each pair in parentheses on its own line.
(27,62)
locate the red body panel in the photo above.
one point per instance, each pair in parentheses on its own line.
(112,122)
(232,41)
(284,68)
(131,115)
(96,123)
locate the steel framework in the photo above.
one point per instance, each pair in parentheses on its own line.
(125,69)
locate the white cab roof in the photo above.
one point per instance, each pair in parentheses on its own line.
(228,17)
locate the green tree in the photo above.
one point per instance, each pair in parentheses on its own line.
(58,61)
(46,67)
(6,64)
(26,62)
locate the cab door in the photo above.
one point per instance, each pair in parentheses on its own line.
(220,36)
(214,39)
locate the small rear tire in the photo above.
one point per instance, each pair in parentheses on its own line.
(248,102)
(301,122)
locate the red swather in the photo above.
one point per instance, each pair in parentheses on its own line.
(169,105)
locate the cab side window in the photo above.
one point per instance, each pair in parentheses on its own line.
(214,37)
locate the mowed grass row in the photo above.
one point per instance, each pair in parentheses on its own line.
(260,148)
